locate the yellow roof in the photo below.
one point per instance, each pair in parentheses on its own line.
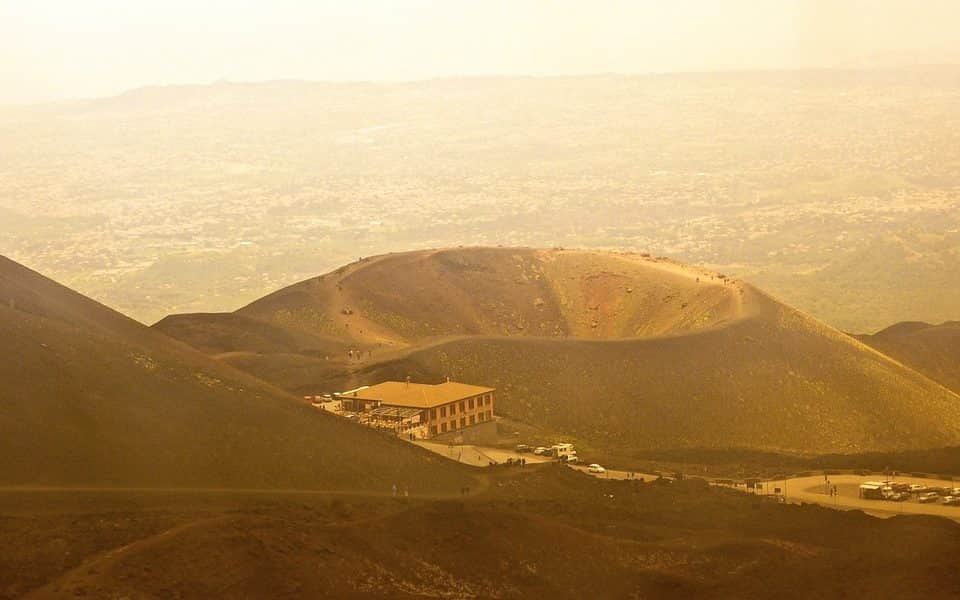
(418,395)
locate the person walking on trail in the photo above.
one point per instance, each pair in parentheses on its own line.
(394,489)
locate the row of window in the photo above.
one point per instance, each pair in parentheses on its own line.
(454,425)
(472,403)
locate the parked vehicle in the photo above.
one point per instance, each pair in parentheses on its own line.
(572,458)
(561,450)
(541,451)
(524,448)
(927,497)
(917,488)
(595,468)
(951,501)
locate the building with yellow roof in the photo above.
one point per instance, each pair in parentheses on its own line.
(438,409)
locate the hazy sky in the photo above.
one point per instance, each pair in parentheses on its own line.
(52,49)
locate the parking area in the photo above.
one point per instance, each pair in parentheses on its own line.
(479,456)
(928,496)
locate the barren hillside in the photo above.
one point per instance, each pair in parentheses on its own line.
(547,533)
(621,351)
(92,398)
(933,350)
(401,299)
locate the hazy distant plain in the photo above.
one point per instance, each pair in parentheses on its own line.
(839,191)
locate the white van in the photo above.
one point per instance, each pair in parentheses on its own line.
(562,450)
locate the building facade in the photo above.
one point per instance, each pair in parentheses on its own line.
(441,408)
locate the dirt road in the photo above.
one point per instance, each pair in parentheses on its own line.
(611,474)
(484,455)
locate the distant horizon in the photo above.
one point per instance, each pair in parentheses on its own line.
(398,82)
(55,49)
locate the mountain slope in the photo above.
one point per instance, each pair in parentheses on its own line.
(621,351)
(214,333)
(398,299)
(548,533)
(544,532)
(91,397)
(775,382)
(933,350)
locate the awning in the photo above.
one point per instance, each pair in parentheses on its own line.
(395,412)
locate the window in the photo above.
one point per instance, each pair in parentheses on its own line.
(471,403)
(463,422)
(473,420)
(433,414)
(463,405)
(443,427)
(443,411)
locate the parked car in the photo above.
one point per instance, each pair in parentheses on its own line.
(951,501)
(595,468)
(541,451)
(917,488)
(897,496)
(572,458)
(524,448)
(928,497)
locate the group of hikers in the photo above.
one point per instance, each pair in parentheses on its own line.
(831,489)
(356,355)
